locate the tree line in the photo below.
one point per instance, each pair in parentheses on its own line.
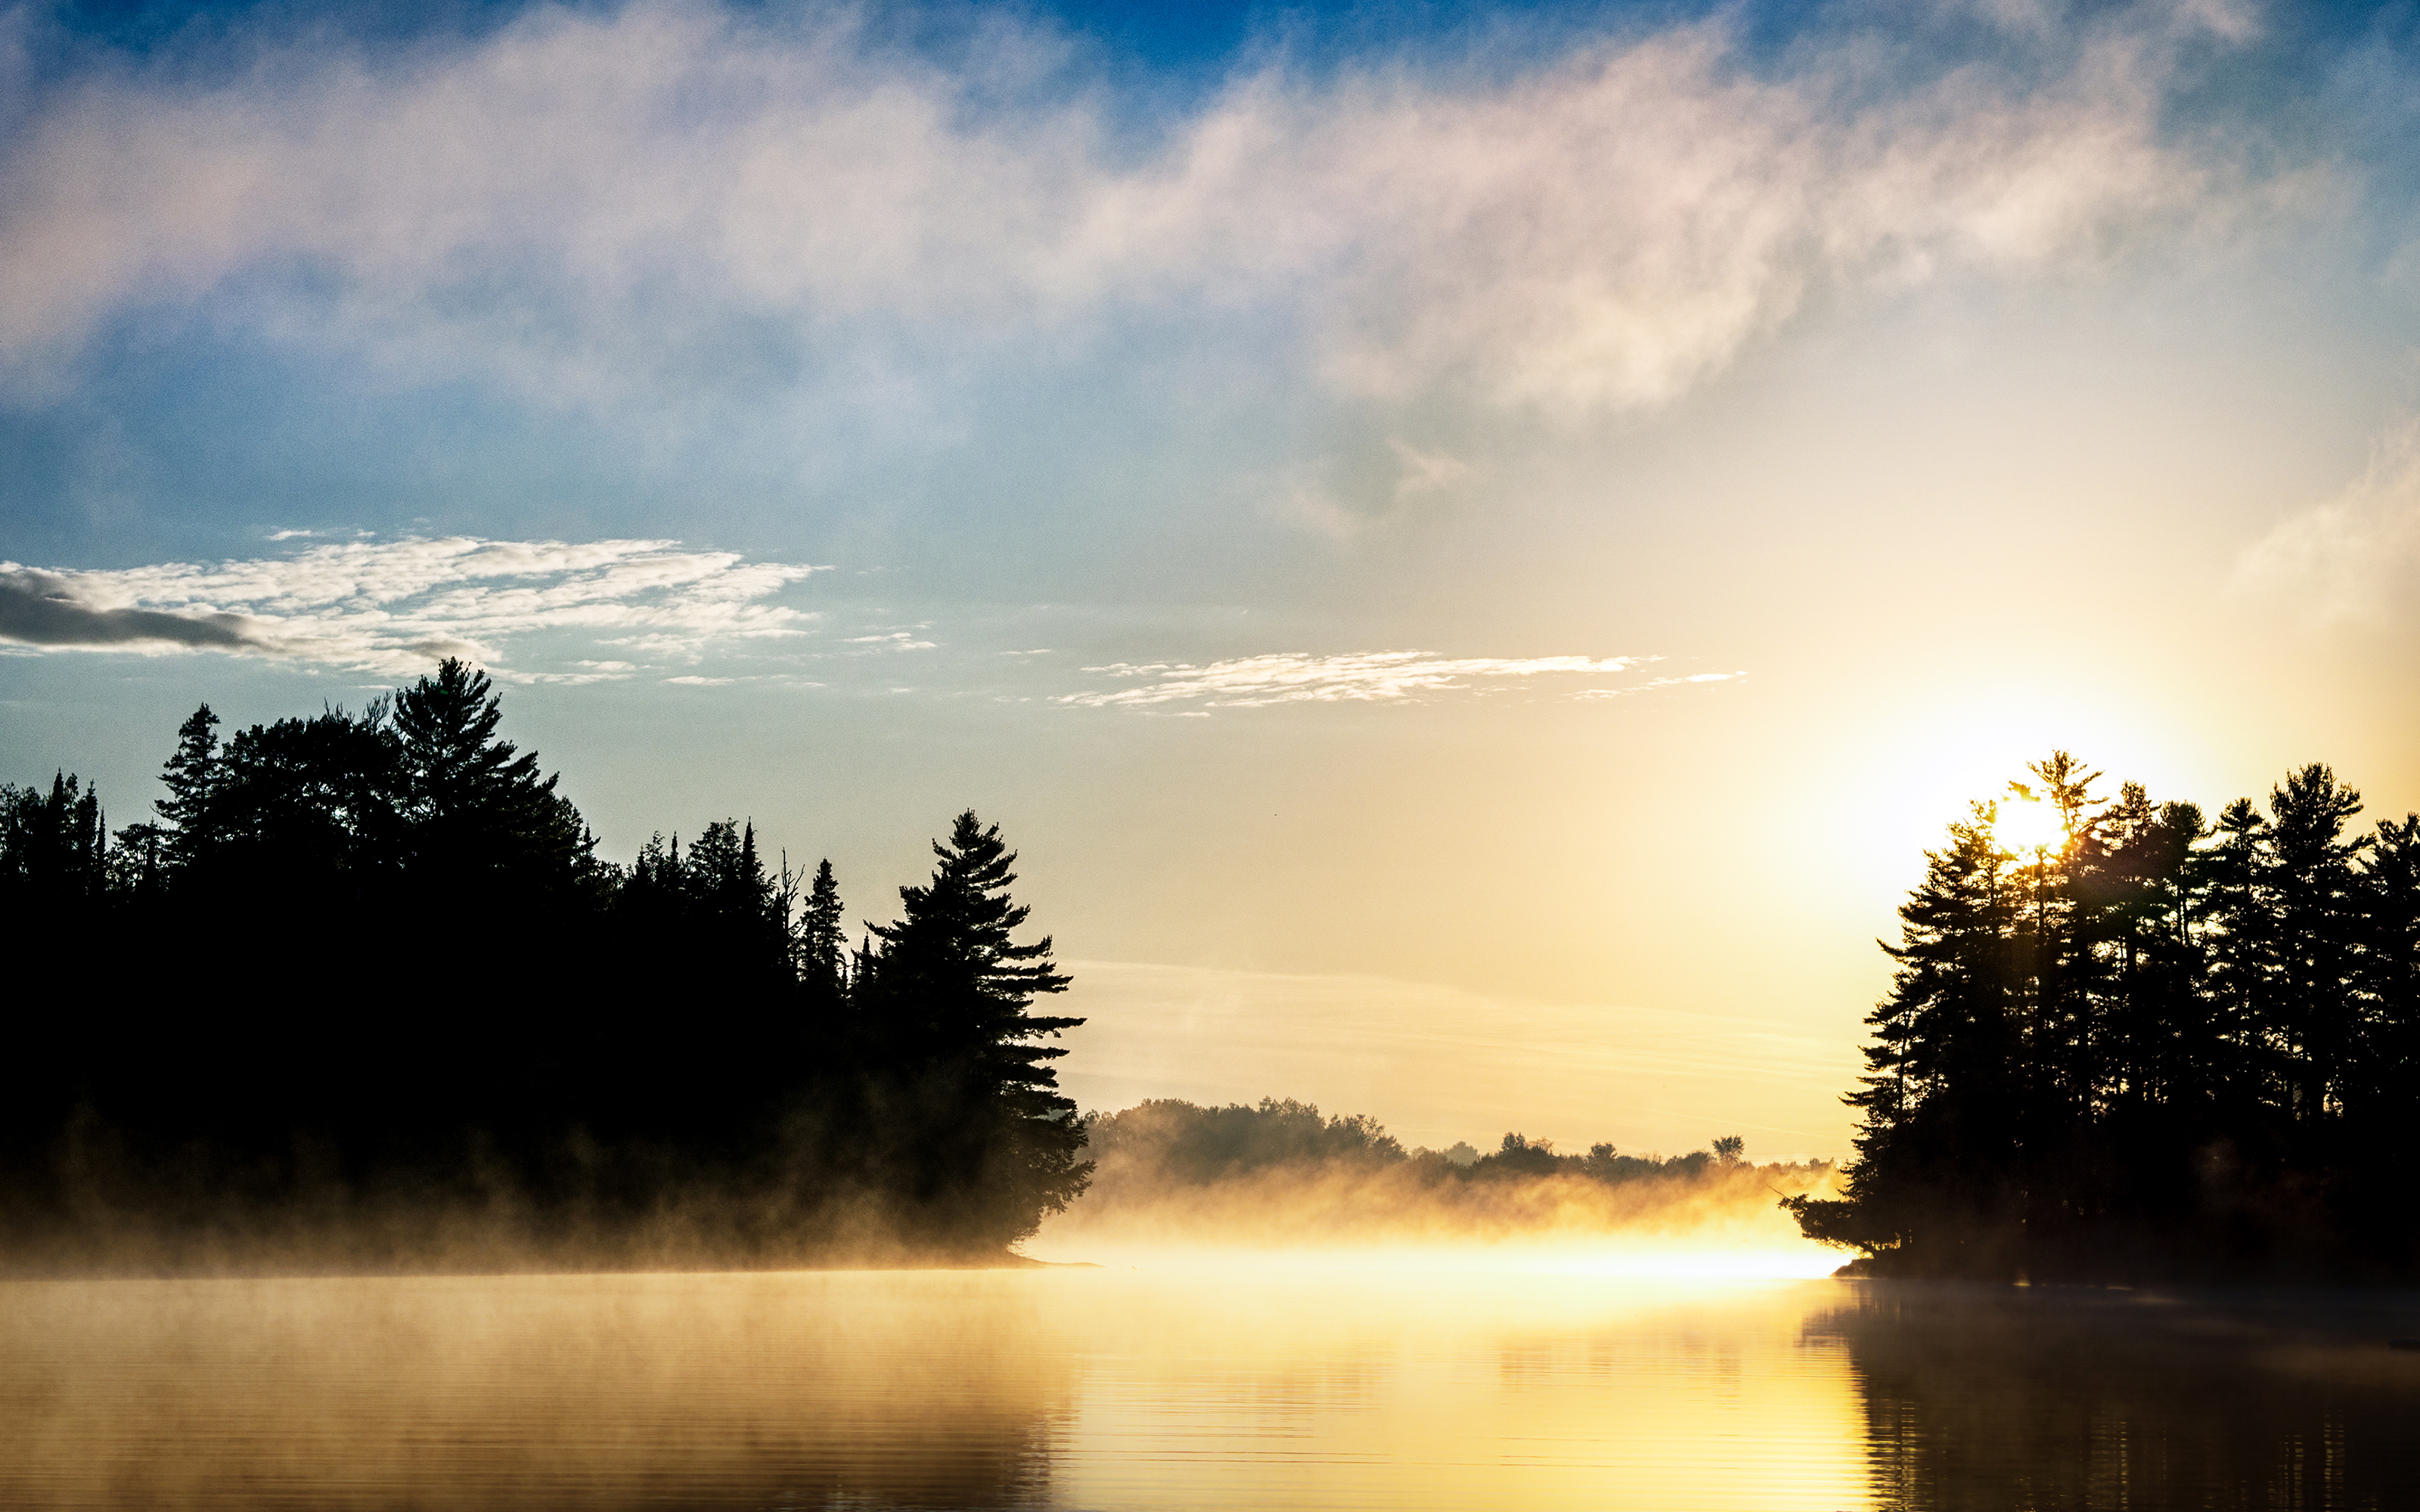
(1183,1144)
(2146,1041)
(1281,1175)
(372,960)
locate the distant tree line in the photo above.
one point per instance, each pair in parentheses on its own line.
(1281,1175)
(373,957)
(2146,1041)
(1183,1144)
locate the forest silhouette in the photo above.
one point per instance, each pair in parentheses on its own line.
(363,984)
(2125,1040)
(362,993)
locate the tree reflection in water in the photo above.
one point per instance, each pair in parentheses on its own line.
(2011,1400)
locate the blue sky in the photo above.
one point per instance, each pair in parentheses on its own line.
(1491,500)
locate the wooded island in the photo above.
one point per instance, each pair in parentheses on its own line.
(364,994)
(2139,1042)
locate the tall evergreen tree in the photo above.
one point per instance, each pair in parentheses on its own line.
(727,880)
(2158,1037)
(2237,931)
(822,942)
(949,1003)
(2387,1095)
(2313,1020)
(480,811)
(2051,939)
(54,847)
(192,774)
(1940,1098)
(738,913)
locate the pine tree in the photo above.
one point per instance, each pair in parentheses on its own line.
(2388,1091)
(54,847)
(1939,1134)
(2056,971)
(480,812)
(191,775)
(2317,927)
(2156,1033)
(725,876)
(2236,930)
(737,913)
(949,1006)
(822,944)
(448,723)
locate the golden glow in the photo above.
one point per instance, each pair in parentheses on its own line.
(1407,1388)
(1643,1257)
(2027,827)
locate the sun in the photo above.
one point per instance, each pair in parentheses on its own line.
(2027,826)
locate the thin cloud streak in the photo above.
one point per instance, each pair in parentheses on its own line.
(2353,558)
(1692,680)
(549,206)
(1301,677)
(392,608)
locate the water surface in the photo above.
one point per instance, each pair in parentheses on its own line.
(1198,1388)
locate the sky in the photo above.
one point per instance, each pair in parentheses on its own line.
(1471,551)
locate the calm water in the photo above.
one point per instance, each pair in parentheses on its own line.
(1141,1390)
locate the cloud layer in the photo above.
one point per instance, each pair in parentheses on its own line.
(1299,677)
(394,608)
(592,200)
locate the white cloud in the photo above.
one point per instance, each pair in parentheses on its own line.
(586,200)
(1692,679)
(2352,558)
(394,608)
(1301,677)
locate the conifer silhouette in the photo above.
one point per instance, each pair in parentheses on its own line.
(2162,1047)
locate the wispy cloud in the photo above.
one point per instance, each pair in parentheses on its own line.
(1301,677)
(1600,230)
(2354,557)
(392,608)
(1692,679)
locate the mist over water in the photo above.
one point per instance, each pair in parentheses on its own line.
(1438,1384)
(1281,1184)
(1724,1221)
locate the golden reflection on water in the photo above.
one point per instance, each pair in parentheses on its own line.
(1424,1382)
(1072,1388)
(1466,1389)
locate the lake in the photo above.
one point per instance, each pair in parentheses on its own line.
(1335,1385)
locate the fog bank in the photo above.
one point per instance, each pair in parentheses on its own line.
(1173,1183)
